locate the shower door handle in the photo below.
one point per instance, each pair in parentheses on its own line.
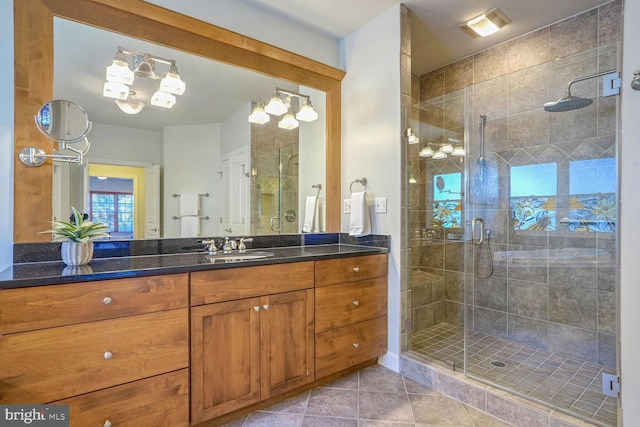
(474,236)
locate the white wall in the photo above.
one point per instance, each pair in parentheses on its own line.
(629,223)
(6,134)
(371,138)
(312,159)
(235,132)
(191,164)
(127,144)
(243,18)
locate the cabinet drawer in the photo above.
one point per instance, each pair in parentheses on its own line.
(247,282)
(352,302)
(51,364)
(344,347)
(57,305)
(339,270)
(158,401)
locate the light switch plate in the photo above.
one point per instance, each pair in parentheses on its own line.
(381,205)
(346,206)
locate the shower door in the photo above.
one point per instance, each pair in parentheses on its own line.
(540,215)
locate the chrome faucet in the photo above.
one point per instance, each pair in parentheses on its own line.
(210,246)
(242,248)
(228,245)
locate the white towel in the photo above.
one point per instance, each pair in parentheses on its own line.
(309,214)
(190,226)
(189,204)
(360,222)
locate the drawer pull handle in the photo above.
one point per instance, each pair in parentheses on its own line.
(356,345)
(108,355)
(356,303)
(266,306)
(106,300)
(256,308)
(356,269)
(107,424)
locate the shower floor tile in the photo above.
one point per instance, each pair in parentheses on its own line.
(556,380)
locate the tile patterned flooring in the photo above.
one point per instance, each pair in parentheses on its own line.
(553,379)
(372,397)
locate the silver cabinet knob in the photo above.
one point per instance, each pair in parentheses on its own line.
(356,269)
(356,345)
(256,308)
(356,303)
(107,424)
(106,300)
(266,306)
(108,355)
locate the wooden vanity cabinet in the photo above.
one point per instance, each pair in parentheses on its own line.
(97,345)
(252,336)
(351,312)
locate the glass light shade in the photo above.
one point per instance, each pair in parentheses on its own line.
(438,155)
(172,83)
(446,148)
(288,122)
(258,115)
(412,180)
(276,107)
(119,71)
(413,139)
(458,152)
(307,113)
(426,152)
(130,106)
(115,90)
(483,26)
(163,99)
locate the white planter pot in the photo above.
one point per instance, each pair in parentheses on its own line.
(76,253)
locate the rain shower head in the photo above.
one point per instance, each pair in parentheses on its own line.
(569,102)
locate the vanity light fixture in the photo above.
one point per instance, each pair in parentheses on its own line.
(458,152)
(411,137)
(259,116)
(412,180)
(439,155)
(277,107)
(446,148)
(486,24)
(119,77)
(288,122)
(130,105)
(426,152)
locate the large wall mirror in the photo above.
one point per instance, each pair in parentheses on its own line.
(191,148)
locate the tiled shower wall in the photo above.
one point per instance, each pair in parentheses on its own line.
(568,308)
(271,147)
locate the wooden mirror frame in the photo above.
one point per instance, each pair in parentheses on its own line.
(33,31)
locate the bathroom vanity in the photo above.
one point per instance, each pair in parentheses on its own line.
(184,341)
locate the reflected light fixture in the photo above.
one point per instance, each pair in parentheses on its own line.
(130,105)
(258,115)
(412,180)
(486,24)
(120,76)
(411,137)
(446,148)
(426,152)
(277,107)
(458,152)
(438,155)
(288,122)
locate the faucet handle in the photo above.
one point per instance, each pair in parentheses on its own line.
(210,246)
(241,246)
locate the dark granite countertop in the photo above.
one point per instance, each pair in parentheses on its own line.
(55,272)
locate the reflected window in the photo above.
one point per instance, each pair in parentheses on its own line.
(447,200)
(592,195)
(111,202)
(533,195)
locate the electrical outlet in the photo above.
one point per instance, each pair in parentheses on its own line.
(346,206)
(381,205)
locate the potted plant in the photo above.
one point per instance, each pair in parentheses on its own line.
(77,237)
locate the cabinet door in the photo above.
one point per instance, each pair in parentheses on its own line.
(225,357)
(288,341)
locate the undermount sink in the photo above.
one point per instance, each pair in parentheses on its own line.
(236,256)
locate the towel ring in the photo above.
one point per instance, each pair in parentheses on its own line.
(361,181)
(318,187)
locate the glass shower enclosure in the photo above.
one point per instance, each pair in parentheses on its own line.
(512,237)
